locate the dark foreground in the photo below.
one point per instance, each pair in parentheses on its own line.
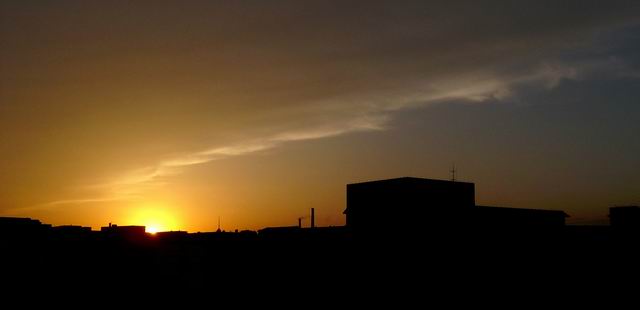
(336,262)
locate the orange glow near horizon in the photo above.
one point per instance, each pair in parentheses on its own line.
(152,229)
(155,218)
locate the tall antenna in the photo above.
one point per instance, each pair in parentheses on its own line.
(218,223)
(453,172)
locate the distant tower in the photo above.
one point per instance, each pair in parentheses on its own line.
(313,217)
(218,225)
(299,222)
(453,173)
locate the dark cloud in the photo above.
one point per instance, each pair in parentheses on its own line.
(300,48)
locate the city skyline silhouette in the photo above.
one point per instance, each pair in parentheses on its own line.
(378,207)
(338,146)
(444,226)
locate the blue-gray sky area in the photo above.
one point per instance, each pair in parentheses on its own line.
(173,113)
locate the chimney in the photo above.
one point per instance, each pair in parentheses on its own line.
(299,222)
(313,217)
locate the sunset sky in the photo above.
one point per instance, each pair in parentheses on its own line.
(173,113)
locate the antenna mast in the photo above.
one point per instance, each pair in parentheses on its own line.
(453,173)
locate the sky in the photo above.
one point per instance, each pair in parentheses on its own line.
(172,114)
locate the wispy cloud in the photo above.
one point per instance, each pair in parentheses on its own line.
(373,112)
(66,202)
(173,165)
(132,184)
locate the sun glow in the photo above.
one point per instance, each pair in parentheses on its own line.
(155,218)
(152,229)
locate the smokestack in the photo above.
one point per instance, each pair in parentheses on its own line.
(299,222)
(313,217)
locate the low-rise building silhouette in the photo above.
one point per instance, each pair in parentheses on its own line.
(71,229)
(22,225)
(624,217)
(408,203)
(500,217)
(412,205)
(128,232)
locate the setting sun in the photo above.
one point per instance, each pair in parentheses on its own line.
(155,218)
(152,229)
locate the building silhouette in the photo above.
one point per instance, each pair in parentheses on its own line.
(624,217)
(124,232)
(71,229)
(404,226)
(22,226)
(408,203)
(416,205)
(500,217)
